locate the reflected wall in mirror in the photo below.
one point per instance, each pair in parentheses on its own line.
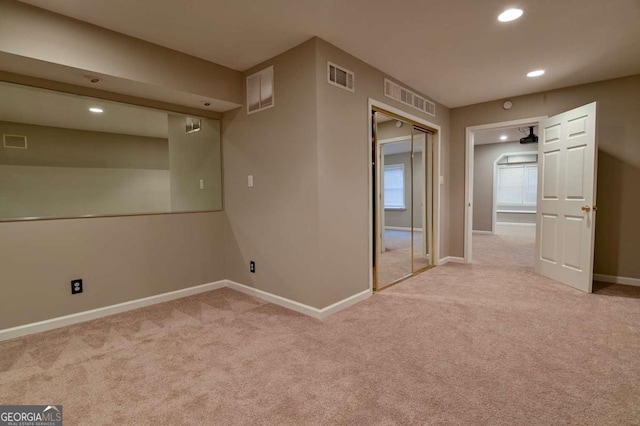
(422,199)
(65,155)
(395,218)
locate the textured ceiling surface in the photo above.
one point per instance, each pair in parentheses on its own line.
(454,51)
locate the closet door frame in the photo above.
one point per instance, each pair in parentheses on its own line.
(436,181)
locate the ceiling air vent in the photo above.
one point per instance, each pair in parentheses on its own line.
(407,97)
(14,141)
(341,77)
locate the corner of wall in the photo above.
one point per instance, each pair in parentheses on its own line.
(274,223)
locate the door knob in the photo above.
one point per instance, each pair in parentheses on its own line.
(586,208)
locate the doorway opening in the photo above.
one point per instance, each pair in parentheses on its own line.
(404,205)
(566,201)
(501,184)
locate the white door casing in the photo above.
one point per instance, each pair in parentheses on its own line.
(567,161)
(469,158)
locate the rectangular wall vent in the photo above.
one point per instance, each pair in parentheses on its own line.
(407,97)
(341,77)
(260,91)
(14,141)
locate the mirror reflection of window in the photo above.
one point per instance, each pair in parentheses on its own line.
(91,157)
(394,186)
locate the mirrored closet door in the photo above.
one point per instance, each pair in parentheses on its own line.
(403,170)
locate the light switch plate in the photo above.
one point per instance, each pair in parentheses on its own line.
(250,181)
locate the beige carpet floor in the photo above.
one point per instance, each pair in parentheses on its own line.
(483,344)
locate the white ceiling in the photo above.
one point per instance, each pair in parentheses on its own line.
(28,105)
(513,134)
(454,51)
(401,147)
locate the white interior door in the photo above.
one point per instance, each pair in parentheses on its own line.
(567,157)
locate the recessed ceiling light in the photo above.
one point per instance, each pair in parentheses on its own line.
(510,15)
(503,137)
(96,110)
(536,73)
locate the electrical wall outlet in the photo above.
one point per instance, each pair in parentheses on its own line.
(252,267)
(76,286)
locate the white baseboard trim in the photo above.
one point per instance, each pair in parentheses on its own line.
(451,259)
(344,303)
(616,280)
(401,228)
(50,324)
(483,232)
(515,223)
(297,306)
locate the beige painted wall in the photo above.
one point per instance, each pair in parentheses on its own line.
(275,223)
(483,166)
(344,170)
(119,259)
(306,221)
(35,33)
(617,245)
(192,157)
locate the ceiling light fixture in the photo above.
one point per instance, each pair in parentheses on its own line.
(510,15)
(503,137)
(536,73)
(96,110)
